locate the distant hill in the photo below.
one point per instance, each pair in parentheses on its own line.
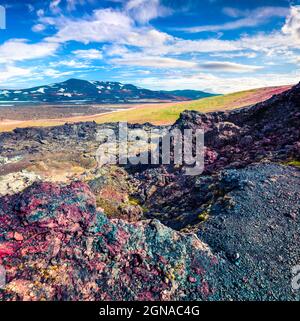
(190,94)
(76,90)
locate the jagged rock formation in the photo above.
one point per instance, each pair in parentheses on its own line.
(55,245)
(268,130)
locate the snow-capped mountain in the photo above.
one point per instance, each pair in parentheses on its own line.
(74,90)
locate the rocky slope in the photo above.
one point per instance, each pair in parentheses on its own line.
(92,91)
(70,230)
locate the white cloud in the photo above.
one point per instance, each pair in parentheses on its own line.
(292,25)
(120,29)
(40,13)
(251,18)
(54,6)
(71,4)
(235,55)
(57,6)
(115,50)
(71,64)
(267,43)
(88,54)
(155,62)
(30,7)
(145,10)
(9,72)
(233,12)
(104,25)
(53,73)
(142,60)
(12,76)
(182,46)
(38,27)
(270,44)
(229,66)
(20,49)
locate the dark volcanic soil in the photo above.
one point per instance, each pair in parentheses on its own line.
(256,226)
(25,112)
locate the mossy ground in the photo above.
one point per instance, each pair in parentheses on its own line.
(295,163)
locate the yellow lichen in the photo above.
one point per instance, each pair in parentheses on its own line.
(203,216)
(294,163)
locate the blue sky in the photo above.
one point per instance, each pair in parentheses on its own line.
(213,45)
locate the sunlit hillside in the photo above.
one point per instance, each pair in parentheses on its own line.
(168,113)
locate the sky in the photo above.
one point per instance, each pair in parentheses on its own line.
(218,46)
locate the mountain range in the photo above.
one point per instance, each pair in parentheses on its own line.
(76,90)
